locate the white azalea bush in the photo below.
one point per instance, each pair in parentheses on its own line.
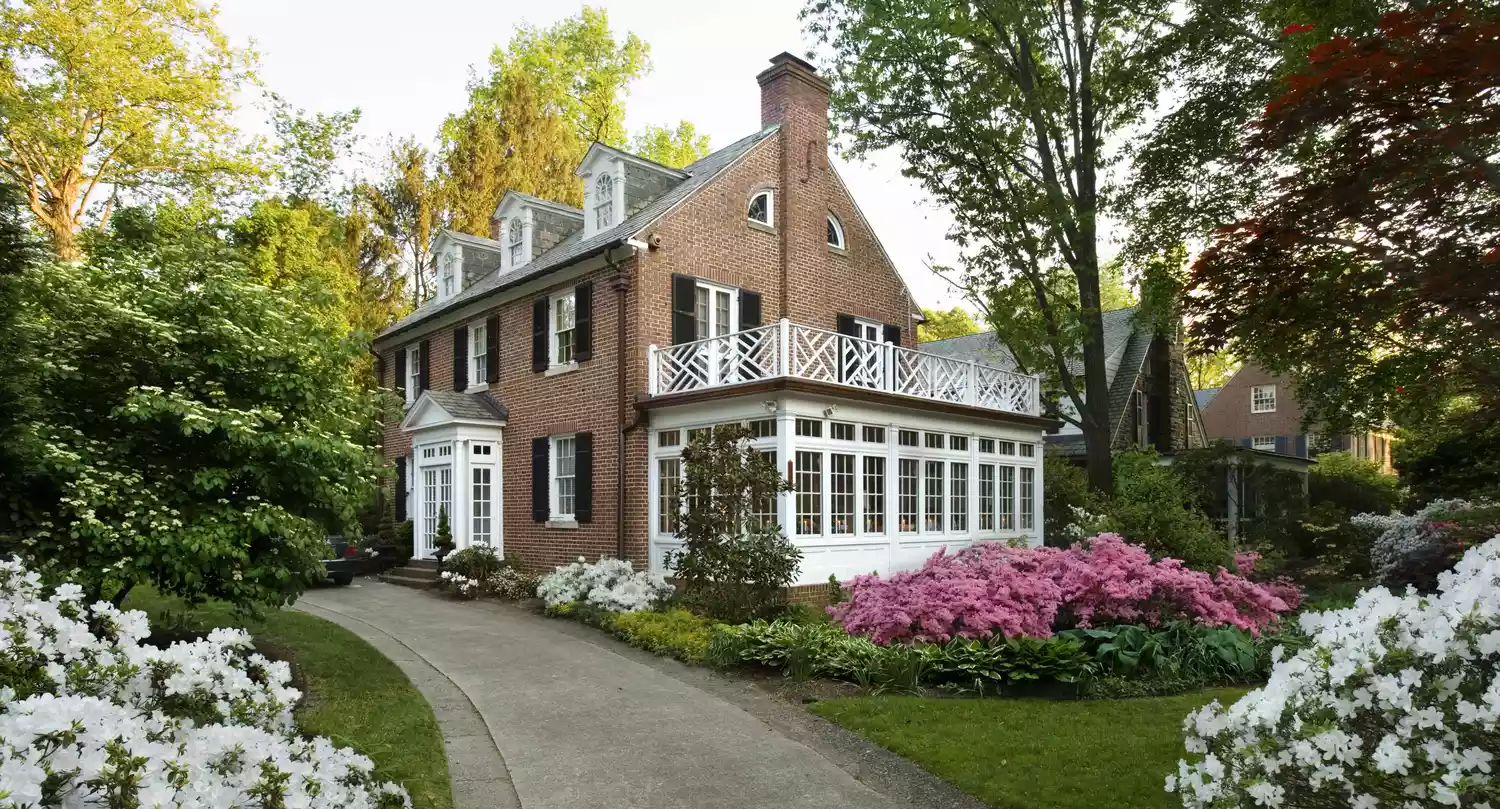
(100,720)
(1394,704)
(610,584)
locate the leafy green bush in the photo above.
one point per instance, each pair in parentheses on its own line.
(477,562)
(406,539)
(674,633)
(1179,651)
(1453,454)
(1155,506)
(1065,487)
(1355,485)
(731,565)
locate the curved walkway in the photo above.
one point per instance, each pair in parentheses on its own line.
(568,718)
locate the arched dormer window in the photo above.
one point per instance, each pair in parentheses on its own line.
(835,232)
(515,241)
(604,202)
(762,208)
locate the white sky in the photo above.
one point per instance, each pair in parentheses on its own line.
(405,64)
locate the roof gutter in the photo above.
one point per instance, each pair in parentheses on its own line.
(603,249)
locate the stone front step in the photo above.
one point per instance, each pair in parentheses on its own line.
(421,578)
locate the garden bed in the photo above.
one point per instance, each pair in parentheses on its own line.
(352,693)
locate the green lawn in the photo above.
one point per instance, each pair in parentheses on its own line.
(1032,753)
(354,695)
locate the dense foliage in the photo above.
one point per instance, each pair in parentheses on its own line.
(993,589)
(675,632)
(182,426)
(1414,549)
(1394,703)
(1065,490)
(732,564)
(478,571)
(1452,453)
(1367,269)
(91,716)
(610,584)
(1159,506)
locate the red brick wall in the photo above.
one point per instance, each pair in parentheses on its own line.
(1228,416)
(708,236)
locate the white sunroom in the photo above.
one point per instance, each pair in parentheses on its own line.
(892,453)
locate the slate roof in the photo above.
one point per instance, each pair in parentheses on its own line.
(1205,396)
(477,406)
(984,348)
(577,247)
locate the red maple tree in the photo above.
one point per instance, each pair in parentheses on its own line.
(1373,262)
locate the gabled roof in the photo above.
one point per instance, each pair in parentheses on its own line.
(538,202)
(598,147)
(1203,397)
(471,240)
(459,406)
(576,247)
(1119,325)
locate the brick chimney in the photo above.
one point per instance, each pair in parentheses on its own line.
(793,95)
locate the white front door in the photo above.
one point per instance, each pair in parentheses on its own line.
(436,497)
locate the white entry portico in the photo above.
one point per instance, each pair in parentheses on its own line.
(455,467)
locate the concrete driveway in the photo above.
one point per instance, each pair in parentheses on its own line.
(545,714)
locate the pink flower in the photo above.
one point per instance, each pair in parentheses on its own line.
(992,588)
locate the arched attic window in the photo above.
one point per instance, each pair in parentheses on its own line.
(515,241)
(835,232)
(604,201)
(762,208)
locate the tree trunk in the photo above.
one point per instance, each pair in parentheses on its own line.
(62,225)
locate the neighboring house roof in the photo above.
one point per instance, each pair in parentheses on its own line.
(1119,325)
(576,246)
(1205,396)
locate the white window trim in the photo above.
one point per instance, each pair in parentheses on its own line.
(770,195)
(734,304)
(555,517)
(413,372)
(553,366)
(478,381)
(599,203)
(448,282)
(838,229)
(1254,408)
(1266,443)
(866,326)
(519,241)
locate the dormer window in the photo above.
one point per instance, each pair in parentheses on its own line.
(450,274)
(835,232)
(515,241)
(762,208)
(604,205)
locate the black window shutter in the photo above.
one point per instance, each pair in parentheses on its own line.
(541,505)
(583,477)
(1301,444)
(401,372)
(379,369)
(749,309)
(539,335)
(684,305)
(846,326)
(426,352)
(1281,444)
(583,321)
(401,489)
(461,358)
(1247,442)
(492,348)
(892,334)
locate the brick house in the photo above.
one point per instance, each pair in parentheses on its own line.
(565,361)
(1258,409)
(1151,402)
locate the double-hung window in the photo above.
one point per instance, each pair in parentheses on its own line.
(809,481)
(516,243)
(564,491)
(1264,442)
(986,497)
(714,310)
(669,483)
(479,368)
(1263,399)
(1007,498)
(907,500)
(874,494)
(482,503)
(1028,498)
(561,325)
(413,373)
(932,508)
(841,493)
(958,517)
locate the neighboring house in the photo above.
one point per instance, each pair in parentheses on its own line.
(1260,410)
(565,362)
(1151,402)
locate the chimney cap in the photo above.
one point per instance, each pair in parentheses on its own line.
(788,64)
(787,57)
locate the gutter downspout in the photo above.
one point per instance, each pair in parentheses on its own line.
(621,286)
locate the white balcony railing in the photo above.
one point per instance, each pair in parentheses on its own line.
(787,349)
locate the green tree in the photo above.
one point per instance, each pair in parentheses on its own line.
(549,95)
(406,199)
(191,429)
(733,564)
(309,150)
(677,148)
(1208,369)
(938,325)
(1003,111)
(123,93)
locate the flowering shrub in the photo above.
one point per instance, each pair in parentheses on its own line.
(1414,548)
(460,585)
(611,584)
(1395,704)
(510,583)
(92,719)
(991,588)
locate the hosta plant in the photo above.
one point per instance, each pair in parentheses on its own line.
(1394,703)
(92,717)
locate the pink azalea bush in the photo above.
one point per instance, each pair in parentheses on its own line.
(992,588)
